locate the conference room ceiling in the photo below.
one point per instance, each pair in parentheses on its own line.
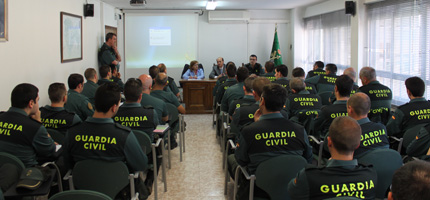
(222,4)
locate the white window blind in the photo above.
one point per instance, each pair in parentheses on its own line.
(398,43)
(328,38)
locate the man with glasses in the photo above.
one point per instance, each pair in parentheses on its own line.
(254,67)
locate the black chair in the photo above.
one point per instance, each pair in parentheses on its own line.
(81,195)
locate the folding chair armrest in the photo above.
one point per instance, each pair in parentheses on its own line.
(313,138)
(232,145)
(68,175)
(157,144)
(246,174)
(400,140)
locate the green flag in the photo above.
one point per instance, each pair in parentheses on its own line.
(275,55)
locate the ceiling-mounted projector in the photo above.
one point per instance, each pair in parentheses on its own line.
(137,2)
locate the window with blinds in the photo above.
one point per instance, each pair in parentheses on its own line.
(398,43)
(328,38)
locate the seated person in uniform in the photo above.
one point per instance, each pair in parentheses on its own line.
(253,66)
(235,91)
(221,80)
(91,85)
(194,72)
(420,147)
(281,73)
(132,114)
(342,176)
(170,81)
(119,143)
(105,74)
(76,102)
(148,100)
(350,71)
(411,181)
(298,72)
(410,114)
(168,97)
(268,69)
(23,134)
(253,148)
(342,90)
(153,71)
(373,135)
(324,82)
(55,116)
(116,78)
(218,70)
(231,80)
(380,95)
(248,98)
(318,69)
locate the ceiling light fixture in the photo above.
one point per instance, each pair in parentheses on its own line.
(211,5)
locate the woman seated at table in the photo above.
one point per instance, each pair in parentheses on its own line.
(194,72)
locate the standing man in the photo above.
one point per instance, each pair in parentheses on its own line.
(254,67)
(91,85)
(108,54)
(218,70)
(76,102)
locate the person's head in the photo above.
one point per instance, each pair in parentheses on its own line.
(220,62)
(146,81)
(76,82)
(248,84)
(110,39)
(350,71)
(411,181)
(231,70)
(299,72)
(318,65)
(258,84)
(344,135)
(273,97)
(57,92)
(90,74)
(194,65)
(269,66)
(281,71)
(105,72)
(162,67)
(25,96)
(161,79)
(331,68)
(242,74)
(358,105)
(344,85)
(367,75)
(252,59)
(153,71)
(133,90)
(107,98)
(297,85)
(415,86)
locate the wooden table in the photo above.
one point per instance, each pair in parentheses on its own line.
(197,95)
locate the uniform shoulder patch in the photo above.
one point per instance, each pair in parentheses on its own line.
(90,106)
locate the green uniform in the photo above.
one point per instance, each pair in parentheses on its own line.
(242,117)
(79,104)
(338,178)
(420,146)
(353,91)
(24,137)
(107,56)
(302,102)
(219,82)
(119,82)
(159,106)
(58,118)
(232,93)
(270,76)
(327,115)
(316,72)
(311,88)
(380,97)
(89,91)
(417,111)
(257,70)
(223,87)
(284,82)
(172,85)
(167,97)
(373,136)
(247,99)
(323,82)
(103,81)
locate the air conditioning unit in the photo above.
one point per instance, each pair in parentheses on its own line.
(226,17)
(137,2)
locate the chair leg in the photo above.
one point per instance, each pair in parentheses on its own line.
(251,189)
(154,163)
(163,165)
(183,133)
(227,177)
(236,177)
(168,150)
(180,138)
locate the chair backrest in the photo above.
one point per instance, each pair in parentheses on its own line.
(411,134)
(274,174)
(56,135)
(81,195)
(186,67)
(9,158)
(307,119)
(325,96)
(102,176)
(144,141)
(385,162)
(173,113)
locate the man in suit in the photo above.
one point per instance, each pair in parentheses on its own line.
(218,70)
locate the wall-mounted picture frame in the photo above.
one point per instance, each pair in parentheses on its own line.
(71,37)
(3,20)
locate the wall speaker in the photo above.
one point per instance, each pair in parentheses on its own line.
(350,7)
(89,10)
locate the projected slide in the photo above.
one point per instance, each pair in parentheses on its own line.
(160,37)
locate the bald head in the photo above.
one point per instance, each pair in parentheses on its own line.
(359,103)
(351,73)
(161,79)
(345,135)
(146,81)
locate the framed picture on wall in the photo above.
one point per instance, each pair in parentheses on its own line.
(71,37)
(3,20)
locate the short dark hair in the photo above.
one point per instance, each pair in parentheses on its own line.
(74,80)
(153,71)
(411,181)
(22,94)
(319,64)
(242,74)
(259,83)
(298,72)
(248,83)
(133,89)
(360,103)
(253,55)
(104,70)
(345,134)
(110,36)
(56,92)
(416,86)
(159,81)
(344,85)
(231,69)
(275,96)
(297,84)
(270,66)
(283,69)
(90,73)
(332,68)
(106,96)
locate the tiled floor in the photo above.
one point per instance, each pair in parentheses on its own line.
(199,175)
